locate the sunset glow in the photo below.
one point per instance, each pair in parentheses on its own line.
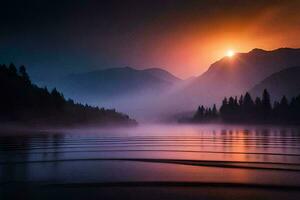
(139,99)
(230,53)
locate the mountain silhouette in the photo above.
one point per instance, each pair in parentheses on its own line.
(232,76)
(126,89)
(161,74)
(285,82)
(104,85)
(155,92)
(22,102)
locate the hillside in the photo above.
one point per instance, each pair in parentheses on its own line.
(23,102)
(285,82)
(231,76)
(111,84)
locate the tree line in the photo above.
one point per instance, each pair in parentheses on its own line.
(22,101)
(246,110)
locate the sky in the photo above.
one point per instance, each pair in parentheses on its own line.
(56,38)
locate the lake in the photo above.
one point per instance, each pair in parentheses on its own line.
(152,162)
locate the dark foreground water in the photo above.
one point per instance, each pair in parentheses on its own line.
(152,162)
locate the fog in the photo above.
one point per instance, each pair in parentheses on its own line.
(155,95)
(144,129)
(146,106)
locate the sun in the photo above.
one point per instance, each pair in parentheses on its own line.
(230,53)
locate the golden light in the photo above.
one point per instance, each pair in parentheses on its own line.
(230,53)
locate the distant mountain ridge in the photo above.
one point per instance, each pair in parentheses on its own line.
(126,89)
(155,72)
(117,82)
(285,82)
(157,92)
(232,76)
(244,70)
(161,74)
(23,102)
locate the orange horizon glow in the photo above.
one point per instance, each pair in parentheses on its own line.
(230,53)
(188,47)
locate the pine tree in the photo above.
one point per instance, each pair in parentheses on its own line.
(24,75)
(214,111)
(12,69)
(266,105)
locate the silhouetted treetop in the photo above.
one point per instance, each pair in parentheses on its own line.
(245,110)
(22,101)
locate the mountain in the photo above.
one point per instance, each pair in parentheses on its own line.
(154,93)
(232,76)
(126,89)
(285,82)
(161,74)
(115,83)
(23,102)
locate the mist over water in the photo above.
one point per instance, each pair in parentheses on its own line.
(152,156)
(146,106)
(171,100)
(272,151)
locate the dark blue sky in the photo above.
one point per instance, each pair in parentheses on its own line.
(183,36)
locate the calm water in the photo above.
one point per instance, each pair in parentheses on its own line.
(213,155)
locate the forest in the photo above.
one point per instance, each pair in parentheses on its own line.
(246,110)
(24,102)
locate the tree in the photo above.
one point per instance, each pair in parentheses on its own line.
(214,111)
(284,109)
(241,100)
(248,102)
(199,114)
(260,111)
(24,75)
(12,69)
(205,114)
(224,108)
(284,102)
(266,105)
(24,102)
